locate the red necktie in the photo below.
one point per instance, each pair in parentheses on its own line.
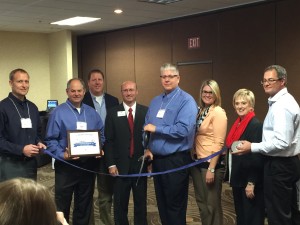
(130,121)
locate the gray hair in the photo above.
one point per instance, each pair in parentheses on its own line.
(79,79)
(169,66)
(281,72)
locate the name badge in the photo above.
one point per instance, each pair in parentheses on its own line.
(121,113)
(161,113)
(26,123)
(81,126)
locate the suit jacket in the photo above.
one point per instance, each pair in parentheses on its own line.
(249,167)
(110,101)
(117,134)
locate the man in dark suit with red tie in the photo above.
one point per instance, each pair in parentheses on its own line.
(101,102)
(123,148)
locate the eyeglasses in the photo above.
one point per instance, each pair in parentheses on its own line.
(270,81)
(207,92)
(167,76)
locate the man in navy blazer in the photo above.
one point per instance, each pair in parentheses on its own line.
(101,101)
(121,159)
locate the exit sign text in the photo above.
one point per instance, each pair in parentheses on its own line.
(193,42)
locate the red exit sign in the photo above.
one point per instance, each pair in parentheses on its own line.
(193,42)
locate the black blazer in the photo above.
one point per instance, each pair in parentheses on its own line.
(110,101)
(249,167)
(117,134)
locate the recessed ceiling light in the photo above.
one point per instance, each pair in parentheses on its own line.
(75,21)
(118,11)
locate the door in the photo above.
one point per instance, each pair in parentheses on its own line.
(192,75)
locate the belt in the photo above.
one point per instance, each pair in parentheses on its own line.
(172,154)
(268,157)
(16,158)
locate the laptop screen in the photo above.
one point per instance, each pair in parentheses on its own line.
(51,104)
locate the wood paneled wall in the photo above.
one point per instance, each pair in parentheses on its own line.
(235,47)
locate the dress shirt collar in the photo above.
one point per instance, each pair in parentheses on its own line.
(280,93)
(72,106)
(172,93)
(15,99)
(126,108)
(98,98)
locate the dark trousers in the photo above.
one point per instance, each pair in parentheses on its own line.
(105,185)
(280,177)
(122,188)
(249,211)
(13,167)
(171,189)
(69,180)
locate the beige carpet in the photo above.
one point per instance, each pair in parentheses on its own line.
(46,177)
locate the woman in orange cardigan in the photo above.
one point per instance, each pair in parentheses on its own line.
(209,139)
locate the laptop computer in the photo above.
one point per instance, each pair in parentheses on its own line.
(51,104)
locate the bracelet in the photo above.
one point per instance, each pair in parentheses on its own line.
(250,184)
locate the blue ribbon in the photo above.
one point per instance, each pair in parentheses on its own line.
(143,174)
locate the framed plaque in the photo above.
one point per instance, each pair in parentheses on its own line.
(84,143)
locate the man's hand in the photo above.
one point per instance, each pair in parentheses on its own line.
(31,150)
(249,190)
(68,157)
(243,148)
(101,154)
(113,170)
(150,127)
(148,155)
(41,147)
(60,217)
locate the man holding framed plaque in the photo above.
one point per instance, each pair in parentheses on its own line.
(75,134)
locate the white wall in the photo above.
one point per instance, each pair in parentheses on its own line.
(61,63)
(29,51)
(46,57)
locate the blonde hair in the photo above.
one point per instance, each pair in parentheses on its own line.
(25,202)
(244,94)
(215,90)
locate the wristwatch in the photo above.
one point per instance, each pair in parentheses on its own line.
(212,170)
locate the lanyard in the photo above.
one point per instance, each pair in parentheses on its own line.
(18,110)
(168,102)
(75,114)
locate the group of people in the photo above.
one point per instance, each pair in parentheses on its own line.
(262,168)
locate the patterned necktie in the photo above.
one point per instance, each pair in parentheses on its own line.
(130,121)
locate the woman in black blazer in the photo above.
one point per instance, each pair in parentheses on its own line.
(246,171)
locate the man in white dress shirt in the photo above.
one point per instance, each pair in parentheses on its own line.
(281,145)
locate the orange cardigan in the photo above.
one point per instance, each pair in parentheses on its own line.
(210,136)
